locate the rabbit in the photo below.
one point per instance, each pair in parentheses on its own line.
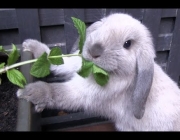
(139,95)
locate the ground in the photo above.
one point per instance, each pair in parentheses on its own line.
(8,105)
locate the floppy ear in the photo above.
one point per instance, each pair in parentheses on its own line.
(143,82)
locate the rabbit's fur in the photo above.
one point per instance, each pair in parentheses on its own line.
(139,95)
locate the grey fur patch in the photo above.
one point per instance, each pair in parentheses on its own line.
(51,78)
(142,87)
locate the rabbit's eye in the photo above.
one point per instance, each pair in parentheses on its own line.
(127,44)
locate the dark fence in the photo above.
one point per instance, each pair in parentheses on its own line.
(55,27)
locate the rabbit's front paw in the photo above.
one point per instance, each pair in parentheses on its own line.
(38,93)
(29,44)
(34,46)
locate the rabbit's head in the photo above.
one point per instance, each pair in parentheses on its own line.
(123,46)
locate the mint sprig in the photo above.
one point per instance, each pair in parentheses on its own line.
(3,50)
(13,56)
(101,76)
(81,28)
(2,65)
(86,68)
(55,52)
(16,77)
(41,66)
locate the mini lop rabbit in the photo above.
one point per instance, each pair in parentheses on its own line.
(139,95)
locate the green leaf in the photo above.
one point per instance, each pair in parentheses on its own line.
(13,56)
(100,75)
(2,50)
(86,68)
(56,52)
(2,65)
(16,77)
(81,27)
(41,67)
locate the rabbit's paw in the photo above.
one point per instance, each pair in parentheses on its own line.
(34,46)
(38,93)
(40,107)
(29,44)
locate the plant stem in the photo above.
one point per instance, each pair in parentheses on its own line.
(6,68)
(67,55)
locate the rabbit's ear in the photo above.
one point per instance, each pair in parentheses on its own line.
(143,83)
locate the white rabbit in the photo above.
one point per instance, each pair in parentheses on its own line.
(139,95)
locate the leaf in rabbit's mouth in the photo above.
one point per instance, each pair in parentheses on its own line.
(101,76)
(86,68)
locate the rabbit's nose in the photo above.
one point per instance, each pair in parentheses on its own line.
(96,50)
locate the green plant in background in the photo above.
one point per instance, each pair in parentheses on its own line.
(41,65)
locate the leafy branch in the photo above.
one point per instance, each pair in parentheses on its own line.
(41,65)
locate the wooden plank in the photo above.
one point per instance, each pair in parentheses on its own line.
(3,9)
(164,42)
(151,19)
(70,31)
(9,47)
(28,24)
(62,46)
(111,11)
(28,28)
(9,36)
(69,120)
(100,127)
(93,15)
(8,19)
(173,67)
(24,114)
(53,34)
(136,13)
(49,17)
(162,57)
(169,13)
(66,118)
(166,25)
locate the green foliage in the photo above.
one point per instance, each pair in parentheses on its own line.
(13,56)
(2,65)
(100,75)
(16,77)
(3,51)
(86,68)
(56,52)
(81,27)
(41,67)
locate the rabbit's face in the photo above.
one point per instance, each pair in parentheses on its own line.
(113,42)
(123,46)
